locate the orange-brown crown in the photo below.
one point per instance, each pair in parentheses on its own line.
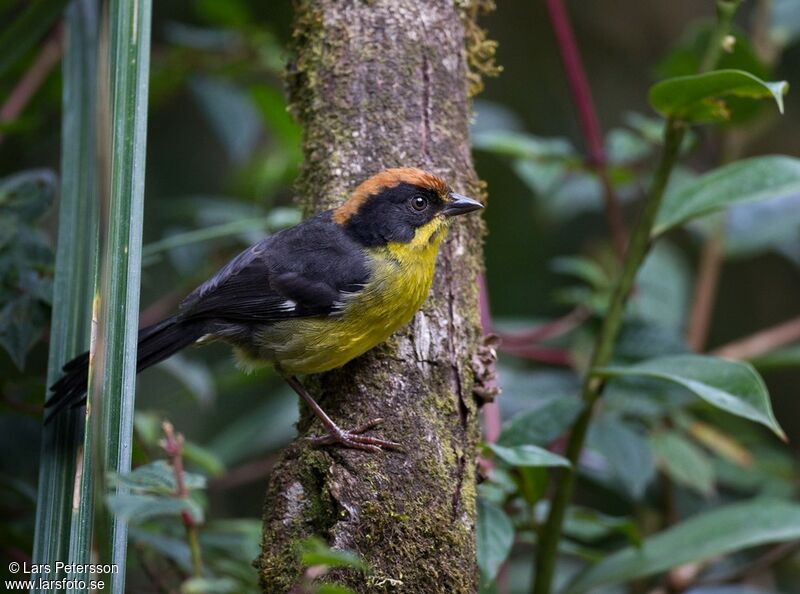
(388,178)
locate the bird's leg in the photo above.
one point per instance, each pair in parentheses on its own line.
(349,439)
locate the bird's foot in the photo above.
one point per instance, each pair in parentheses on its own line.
(355,440)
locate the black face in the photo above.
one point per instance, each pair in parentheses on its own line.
(394,214)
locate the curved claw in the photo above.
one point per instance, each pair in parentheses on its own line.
(354,440)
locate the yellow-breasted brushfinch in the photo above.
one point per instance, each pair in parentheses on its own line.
(312,297)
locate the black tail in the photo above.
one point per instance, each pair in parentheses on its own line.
(156,343)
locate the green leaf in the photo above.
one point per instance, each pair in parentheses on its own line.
(590,525)
(494,537)
(730,385)
(627,454)
(138,508)
(541,425)
(748,180)
(28,194)
(22,321)
(585,269)
(122,144)
(683,461)
(314,551)
(527,455)
(525,146)
(157,478)
(173,548)
(701,97)
(704,536)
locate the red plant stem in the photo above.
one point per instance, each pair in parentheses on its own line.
(557,327)
(26,88)
(587,115)
(173,446)
(762,342)
(705,290)
(540,354)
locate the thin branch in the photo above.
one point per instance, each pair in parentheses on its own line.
(712,255)
(26,88)
(587,115)
(557,327)
(547,549)
(725,11)
(761,342)
(705,290)
(539,354)
(173,446)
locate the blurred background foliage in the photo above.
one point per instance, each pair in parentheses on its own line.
(222,153)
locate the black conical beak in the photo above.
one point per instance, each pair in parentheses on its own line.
(459,205)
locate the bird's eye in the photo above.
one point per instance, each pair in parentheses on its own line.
(419,203)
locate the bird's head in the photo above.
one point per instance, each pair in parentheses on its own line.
(402,206)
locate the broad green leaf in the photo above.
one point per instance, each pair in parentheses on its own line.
(541,425)
(752,228)
(523,146)
(314,551)
(494,537)
(173,548)
(704,536)
(730,385)
(785,358)
(157,478)
(527,455)
(663,288)
(590,525)
(748,180)
(585,269)
(701,97)
(683,461)
(138,508)
(626,452)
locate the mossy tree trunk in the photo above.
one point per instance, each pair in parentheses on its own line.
(380,84)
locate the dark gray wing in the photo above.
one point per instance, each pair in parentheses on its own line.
(298,272)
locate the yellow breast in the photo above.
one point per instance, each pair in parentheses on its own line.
(399,283)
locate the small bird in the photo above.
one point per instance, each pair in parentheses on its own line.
(312,297)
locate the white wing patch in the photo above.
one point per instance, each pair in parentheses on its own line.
(288,305)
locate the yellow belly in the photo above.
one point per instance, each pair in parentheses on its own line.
(398,286)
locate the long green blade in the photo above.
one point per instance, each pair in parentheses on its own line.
(74,276)
(112,375)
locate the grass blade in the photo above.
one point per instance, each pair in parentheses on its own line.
(74,276)
(122,103)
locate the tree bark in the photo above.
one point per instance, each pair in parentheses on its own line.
(377,84)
